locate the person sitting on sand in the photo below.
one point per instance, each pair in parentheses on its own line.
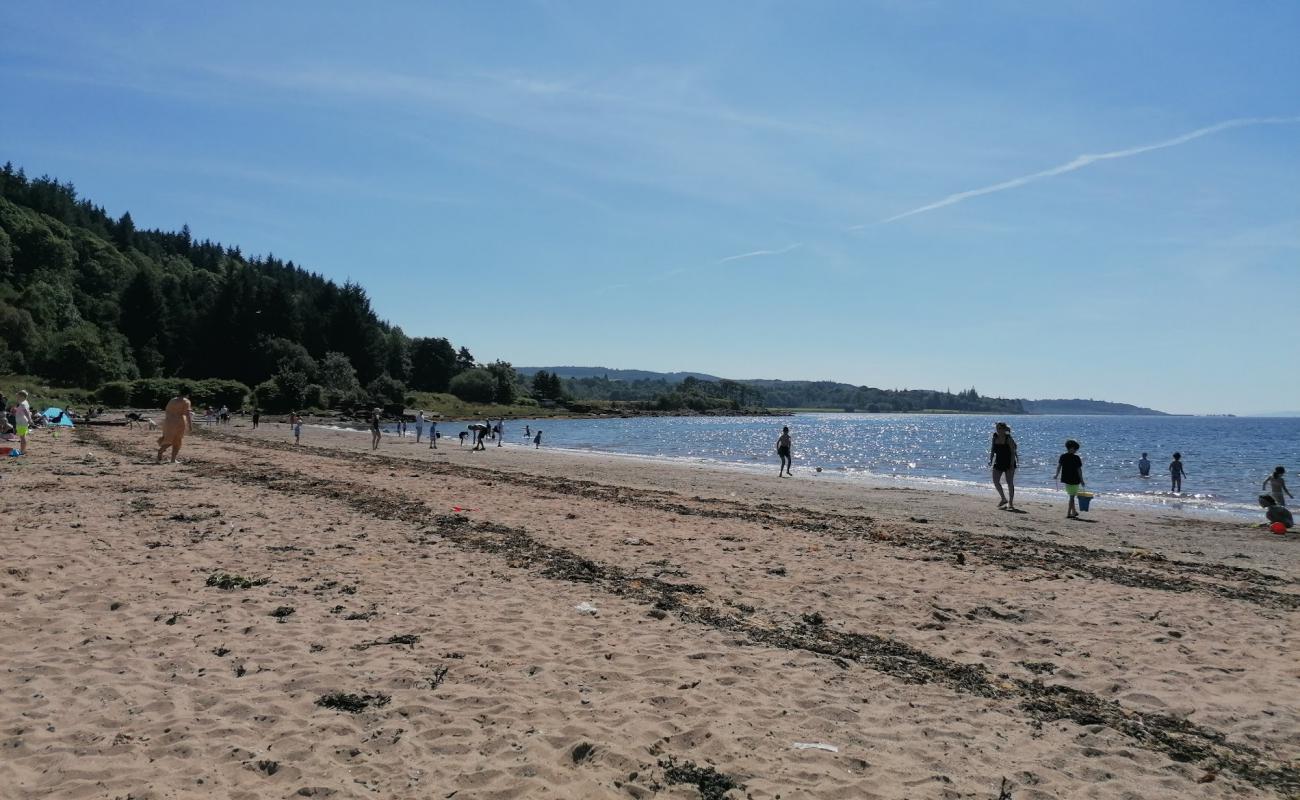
(1069,471)
(1276,486)
(1176,474)
(1003,460)
(178,420)
(1276,512)
(783,445)
(1144,466)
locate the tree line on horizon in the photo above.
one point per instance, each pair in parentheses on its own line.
(87,300)
(701,395)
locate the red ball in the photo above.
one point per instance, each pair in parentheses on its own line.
(1277,528)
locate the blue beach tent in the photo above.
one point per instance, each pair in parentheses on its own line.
(55,416)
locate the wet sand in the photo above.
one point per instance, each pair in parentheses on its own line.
(272,621)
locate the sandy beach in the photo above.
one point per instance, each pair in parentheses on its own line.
(266,620)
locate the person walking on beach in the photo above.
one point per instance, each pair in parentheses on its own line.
(1176,474)
(501,431)
(537,441)
(1276,486)
(178,420)
(1144,466)
(419,426)
(1003,460)
(257,418)
(22,420)
(375,433)
(295,422)
(1069,471)
(783,452)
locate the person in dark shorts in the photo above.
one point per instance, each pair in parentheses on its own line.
(1002,458)
(1276,512)
(1176,474)
(783,450)
(375,433)
(1069,471)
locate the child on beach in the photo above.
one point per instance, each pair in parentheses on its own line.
(1275,512)
(22,421)
(1069,471)
(783,452)
(537,440)
(296,422)
(1144,466)
(1176,474)
(375,433)
(1277,486)
(463,434)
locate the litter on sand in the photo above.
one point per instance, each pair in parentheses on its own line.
(586,608)
(830,748)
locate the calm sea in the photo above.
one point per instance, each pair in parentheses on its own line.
(1226,457)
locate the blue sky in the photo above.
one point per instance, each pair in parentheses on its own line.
(726,187)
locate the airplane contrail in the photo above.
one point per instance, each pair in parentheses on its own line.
(1087,160)
(755,253)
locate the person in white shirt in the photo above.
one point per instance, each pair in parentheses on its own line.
(22,421)
(419,426)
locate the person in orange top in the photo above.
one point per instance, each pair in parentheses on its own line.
(178,422)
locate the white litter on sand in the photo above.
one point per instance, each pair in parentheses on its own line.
(830,748)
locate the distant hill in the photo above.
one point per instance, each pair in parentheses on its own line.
(617,374)
(1088,407)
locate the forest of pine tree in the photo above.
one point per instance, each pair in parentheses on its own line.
(87,299)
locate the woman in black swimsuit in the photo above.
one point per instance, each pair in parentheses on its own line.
(1002,458)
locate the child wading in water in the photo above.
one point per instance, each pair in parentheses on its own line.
(783,451)
(1069,471)
(1176,474)
(1276,486)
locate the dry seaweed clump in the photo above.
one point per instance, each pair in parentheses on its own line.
(224,580)
(352,703)
(712,785)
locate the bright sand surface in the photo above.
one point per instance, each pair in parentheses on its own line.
(943,648)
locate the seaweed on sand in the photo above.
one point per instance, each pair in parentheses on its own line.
(352,703)
(712,785)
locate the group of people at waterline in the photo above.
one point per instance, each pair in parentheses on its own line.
(1004,461)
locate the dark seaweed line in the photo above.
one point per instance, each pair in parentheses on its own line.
(1004,552)
(1177,738)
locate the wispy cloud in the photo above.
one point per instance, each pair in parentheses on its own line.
(757,253)
(1086,160)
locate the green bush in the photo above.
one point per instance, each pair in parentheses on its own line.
(473,386)
(217,392)
(114,393)
(386,391)
(155,392)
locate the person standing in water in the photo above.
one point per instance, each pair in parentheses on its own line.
(783,451)
(178,421)
(1276,486)
(1176,474)
(537,440)
(1144,466)
(1003,460)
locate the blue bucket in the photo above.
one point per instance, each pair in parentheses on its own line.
(1084,498)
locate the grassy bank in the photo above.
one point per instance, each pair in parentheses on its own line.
(42,395)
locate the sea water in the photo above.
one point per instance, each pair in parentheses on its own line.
(1226,458)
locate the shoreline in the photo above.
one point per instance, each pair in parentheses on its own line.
(1195,507)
